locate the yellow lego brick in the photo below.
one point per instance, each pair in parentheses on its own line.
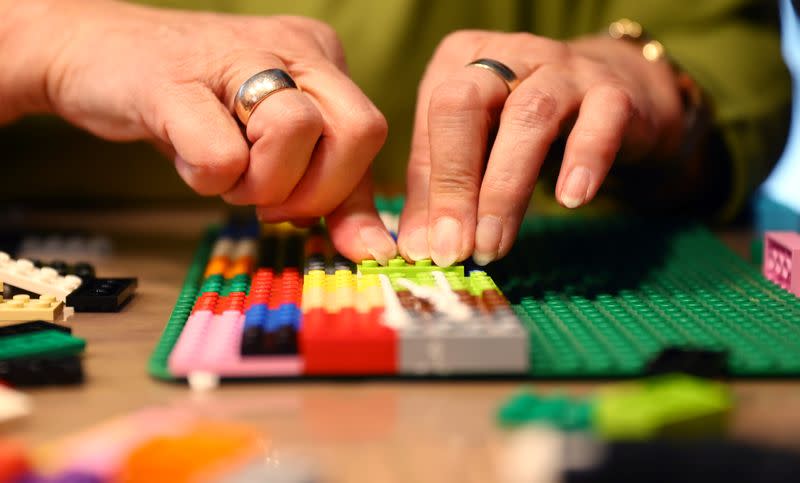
(22,307)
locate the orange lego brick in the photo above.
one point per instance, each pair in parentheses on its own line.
(217,265)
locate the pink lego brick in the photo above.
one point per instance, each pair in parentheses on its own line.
(212,343)
(782,259)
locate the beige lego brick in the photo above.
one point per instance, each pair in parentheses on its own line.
(22,307)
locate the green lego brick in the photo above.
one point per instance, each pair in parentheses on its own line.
(559,411)
(47,343)
(600,298)
(398,267)
(674,405)
(157,364)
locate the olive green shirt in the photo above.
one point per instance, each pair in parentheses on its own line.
(730,47)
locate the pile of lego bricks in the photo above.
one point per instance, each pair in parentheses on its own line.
(39,353)
(35,349)
(574,298)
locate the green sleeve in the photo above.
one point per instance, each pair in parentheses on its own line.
(731,48)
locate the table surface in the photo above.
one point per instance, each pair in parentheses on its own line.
(352,431)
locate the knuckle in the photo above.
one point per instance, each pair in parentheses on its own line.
(531,109)
(302,121)
(613,93)
(371,127)
(456,181)
(453,98)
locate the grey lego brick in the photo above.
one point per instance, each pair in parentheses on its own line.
(482,345)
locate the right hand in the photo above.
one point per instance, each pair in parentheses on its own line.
(127,72)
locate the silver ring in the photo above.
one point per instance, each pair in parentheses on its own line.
(257,88)
(500,70)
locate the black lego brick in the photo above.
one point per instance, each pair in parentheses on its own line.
(102,294)
(33,326)
(39,371)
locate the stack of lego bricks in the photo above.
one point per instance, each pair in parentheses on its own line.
(282,303)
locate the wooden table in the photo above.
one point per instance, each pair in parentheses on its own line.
(354,431)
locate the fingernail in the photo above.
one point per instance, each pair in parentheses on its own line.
(487,239)
(576,187)
(445,241)
(416,244)
(378,243)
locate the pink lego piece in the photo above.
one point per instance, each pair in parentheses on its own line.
(212,343)
(782,259)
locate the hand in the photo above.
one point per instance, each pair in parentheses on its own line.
(127,72)
(599,91)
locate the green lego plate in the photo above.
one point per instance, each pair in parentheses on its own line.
(157,365)
(50,343)
(601,298)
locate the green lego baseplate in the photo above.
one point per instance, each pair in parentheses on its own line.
(48,343)
(602,297)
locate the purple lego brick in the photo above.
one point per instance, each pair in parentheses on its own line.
(212,343)
(781,263)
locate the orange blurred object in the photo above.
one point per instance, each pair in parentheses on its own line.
(205,450)
(13,461)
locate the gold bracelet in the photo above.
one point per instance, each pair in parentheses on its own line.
(696,112)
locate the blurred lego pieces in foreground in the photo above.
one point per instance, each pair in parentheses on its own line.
(154,445)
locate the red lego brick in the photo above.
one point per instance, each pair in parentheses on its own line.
(206,301)
(14,461)
(234,301)
(347,343)
(286,289)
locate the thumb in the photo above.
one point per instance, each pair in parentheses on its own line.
(356,229)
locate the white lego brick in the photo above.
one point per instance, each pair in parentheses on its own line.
(24,275)
(22,308)
(13,405)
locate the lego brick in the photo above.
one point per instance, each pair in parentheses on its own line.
(102,294)
(46,343)
(401,268)
(451,331)
(39,371)
(559,411)
(22,307)
(13,405)
(14,461)
(781,262)
(23,274)
(675,405)
(687,462)
(84,270)
(33,326)
(69,246)
(699,363)
(212,343)
(347,342)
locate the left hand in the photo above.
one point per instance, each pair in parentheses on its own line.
(602,92)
